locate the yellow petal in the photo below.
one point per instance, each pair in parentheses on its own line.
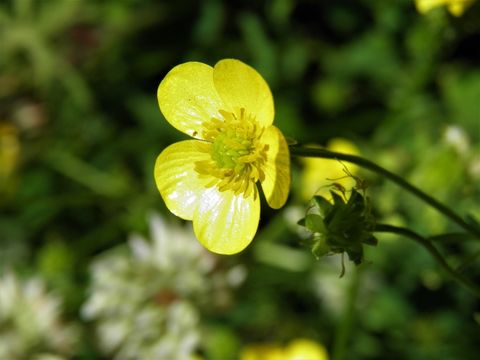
(262,352)
(187,97)
(226,223)
(424,6)
(241,86)
(176,178)
(276,184)
(305,349)
(458,7)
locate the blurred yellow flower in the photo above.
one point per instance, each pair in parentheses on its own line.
(456,7)
(298,349)
(319,174)
(262,352)
(212,180)
(304,349)
(9,150)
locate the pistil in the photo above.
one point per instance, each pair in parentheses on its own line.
(236,153)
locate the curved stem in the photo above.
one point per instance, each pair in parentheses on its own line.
(474,288)
(461,268)
(327,154)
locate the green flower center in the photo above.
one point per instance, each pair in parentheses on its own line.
(228,149)
(237,154)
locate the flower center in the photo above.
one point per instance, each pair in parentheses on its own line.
(237,155)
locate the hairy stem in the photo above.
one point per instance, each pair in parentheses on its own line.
(474,288)
(298,150)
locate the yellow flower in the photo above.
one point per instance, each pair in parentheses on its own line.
(262,352)
(212,180)
(319,174)
(9,150)
(298,349)
(304,349)
(456,7)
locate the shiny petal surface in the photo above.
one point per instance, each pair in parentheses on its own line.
(187,97)
(226,223)
(241,86)
(276,185)
(176,179)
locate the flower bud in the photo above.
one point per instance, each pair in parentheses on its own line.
(340,225)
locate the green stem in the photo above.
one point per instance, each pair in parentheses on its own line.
(327,154)
(474,288)
(470,260)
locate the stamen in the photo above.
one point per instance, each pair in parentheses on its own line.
(236,153)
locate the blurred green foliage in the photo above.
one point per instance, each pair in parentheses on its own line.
(80,130)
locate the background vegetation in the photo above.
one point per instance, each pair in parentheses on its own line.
(80,130)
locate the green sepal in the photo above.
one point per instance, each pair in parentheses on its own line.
(321,205)
(337,199)
(340,226)
(315,224)
(320,247)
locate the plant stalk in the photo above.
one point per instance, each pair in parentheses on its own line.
(298,150)
(470,285)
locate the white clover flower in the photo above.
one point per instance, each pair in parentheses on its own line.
(457,138)
(30,323)
(145,299)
